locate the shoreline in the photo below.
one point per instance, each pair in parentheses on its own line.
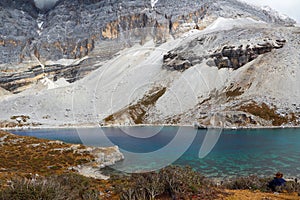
(45,127)
(218,179)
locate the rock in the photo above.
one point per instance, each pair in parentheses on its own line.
(103,157)
(91,172)
(174,60)
(199,126)
(98,30)
(73,29)
(232,57)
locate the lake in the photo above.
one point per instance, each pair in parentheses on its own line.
(229,153)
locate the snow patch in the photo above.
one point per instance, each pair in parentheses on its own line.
(48,84)
(153,2)
(222,23)
(66,62)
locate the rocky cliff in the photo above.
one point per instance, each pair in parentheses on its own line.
(234,57)
(73,29)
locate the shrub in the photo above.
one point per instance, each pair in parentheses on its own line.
(58,187)
(291,187)
(257,183)
(79,187)
(249,183)
(23,189)
(173,181)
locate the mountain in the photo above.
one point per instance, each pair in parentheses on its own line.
(214,62)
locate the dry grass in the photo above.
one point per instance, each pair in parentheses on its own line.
(265,112)
(257,195)
(138,111)
(22,158)
(234,93)
(24,155)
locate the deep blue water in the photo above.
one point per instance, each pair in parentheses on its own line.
(237,152)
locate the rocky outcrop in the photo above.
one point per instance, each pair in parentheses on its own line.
(71,29)
(27,6)
(103,157)
(236,57)
(232,56)
(16,82)
(137,113)
(180,61)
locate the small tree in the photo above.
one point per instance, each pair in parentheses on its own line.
(153,184)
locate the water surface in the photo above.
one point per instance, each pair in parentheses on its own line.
(237,152)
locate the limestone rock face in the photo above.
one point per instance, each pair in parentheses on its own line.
(231,56)
(127,62)
(72,28)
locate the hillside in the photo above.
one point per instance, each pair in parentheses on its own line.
(217,63)
(22,156)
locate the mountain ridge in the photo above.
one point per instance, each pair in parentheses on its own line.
(72,29)
(224,51)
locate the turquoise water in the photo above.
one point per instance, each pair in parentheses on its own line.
(237,152)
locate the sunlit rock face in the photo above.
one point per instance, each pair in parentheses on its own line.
(45,5)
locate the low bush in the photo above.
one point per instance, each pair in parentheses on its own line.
(172,182)
(291,187)
(23,189)
(248,183)
(58,187)
(258,183)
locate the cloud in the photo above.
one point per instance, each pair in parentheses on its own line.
(288,7)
